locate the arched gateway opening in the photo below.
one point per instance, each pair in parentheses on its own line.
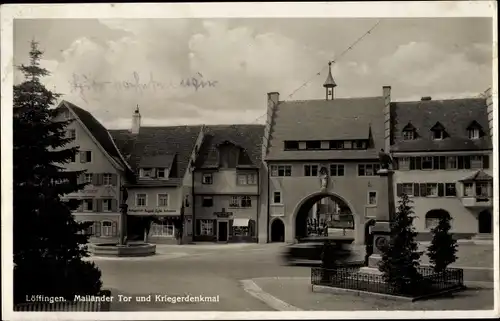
(319,212)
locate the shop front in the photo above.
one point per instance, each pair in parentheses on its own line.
(225,227)
(155,225)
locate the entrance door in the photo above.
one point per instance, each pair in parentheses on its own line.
(222,231)
(277,231)
(484,221)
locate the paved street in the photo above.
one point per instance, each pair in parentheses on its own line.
(221,270)
(196,270)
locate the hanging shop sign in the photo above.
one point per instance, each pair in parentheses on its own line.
(223,213)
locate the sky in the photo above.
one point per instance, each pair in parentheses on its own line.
(108,67)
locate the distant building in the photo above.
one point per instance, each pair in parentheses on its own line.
(444,152)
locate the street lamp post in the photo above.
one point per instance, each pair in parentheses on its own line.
(123,216)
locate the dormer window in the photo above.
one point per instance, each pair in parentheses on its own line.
(438,131)
(437,135)
(474,133)
(161,173)
(409,132)
(408,135)
(146,172)
(474,130)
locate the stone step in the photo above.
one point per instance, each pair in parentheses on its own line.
(483,237)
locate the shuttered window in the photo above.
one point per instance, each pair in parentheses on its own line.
(426,189)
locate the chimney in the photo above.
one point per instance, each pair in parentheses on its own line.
(489,108)
(272,103)
(386,92)
(136,121)
(426,98)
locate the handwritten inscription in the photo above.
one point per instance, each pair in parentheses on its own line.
(83,83)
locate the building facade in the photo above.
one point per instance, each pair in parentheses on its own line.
(443,150)
(226,184)
(159,191)
(314,159)
(319,149)
(104,172)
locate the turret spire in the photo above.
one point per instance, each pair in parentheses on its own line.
(329,83)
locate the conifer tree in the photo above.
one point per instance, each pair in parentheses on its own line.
(443,248)
(400,257)
(48,243)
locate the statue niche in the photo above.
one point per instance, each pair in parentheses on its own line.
(323,177)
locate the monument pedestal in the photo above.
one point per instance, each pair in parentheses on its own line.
(381,230)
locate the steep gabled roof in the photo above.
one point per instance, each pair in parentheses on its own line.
(159,144)
(338,119)
(455,115)
(246,136)
(97,130)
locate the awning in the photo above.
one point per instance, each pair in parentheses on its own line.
(240,222)
(479,176)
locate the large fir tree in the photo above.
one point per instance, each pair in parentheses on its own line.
(443,248)
(48,243)
(400,258)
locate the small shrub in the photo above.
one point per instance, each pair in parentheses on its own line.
(400,258)
(443,248)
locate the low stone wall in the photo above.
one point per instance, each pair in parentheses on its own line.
(131,250)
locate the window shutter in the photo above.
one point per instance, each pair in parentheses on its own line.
(99,205)
(442,162)
(412,163)
(83,159)
(198,227)
(95,179)
(114,179)
(97,229)
(440,189)
(467,162)
(114,205)
(114,228)
(416,189)
(399,189)
(94,205)
(460,162)
(396,163)
(486,161)
(423,189)
(418,162)
(100,179)
(435,162)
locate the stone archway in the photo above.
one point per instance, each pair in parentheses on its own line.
(277,230)
(485,225)
(432,217)
(301,212)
